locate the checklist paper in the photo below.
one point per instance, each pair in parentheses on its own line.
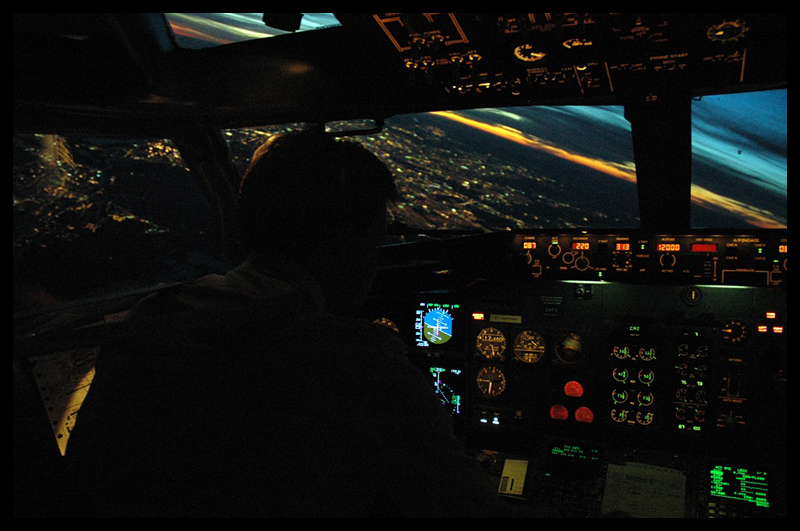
(644,491)
(512,480)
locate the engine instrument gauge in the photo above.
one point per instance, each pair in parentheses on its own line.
(529,347)
(644,418)
(619,415)
(491,382)
(491,343)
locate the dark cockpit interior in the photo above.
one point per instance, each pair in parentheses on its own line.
(588,255)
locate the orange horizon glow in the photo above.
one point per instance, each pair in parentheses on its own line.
(620,171)
(185,31)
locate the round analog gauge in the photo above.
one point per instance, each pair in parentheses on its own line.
(570,348)
(528,54)
(619,415)
(734,331)
(621,352)
(491,343)
(644,418)
(727,31)
(529,347)
(491,382)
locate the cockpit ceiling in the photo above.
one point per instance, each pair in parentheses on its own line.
(106,65)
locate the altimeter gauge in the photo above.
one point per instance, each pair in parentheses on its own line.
(491,382)
(491,343)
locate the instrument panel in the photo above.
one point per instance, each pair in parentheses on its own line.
(736,259)
(539,56)
(663,351)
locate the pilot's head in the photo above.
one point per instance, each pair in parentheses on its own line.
(321,201)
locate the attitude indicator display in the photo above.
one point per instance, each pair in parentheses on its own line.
(434,323)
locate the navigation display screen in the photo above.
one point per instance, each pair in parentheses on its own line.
(739,484)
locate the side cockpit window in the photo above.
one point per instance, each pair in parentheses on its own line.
(93,216)
(98,224)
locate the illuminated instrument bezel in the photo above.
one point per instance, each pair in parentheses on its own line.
(491,349)
(529,347)
(494,377)
(528,54)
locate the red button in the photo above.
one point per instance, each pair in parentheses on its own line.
(584,414)
(559,412)
(573,388)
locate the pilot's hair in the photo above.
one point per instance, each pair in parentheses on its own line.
(306,185)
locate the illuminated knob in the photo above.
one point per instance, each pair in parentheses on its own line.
(734,331)
(667,260)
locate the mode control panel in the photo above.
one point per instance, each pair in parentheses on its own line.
(755,260)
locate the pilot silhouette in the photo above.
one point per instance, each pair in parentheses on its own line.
(257,393)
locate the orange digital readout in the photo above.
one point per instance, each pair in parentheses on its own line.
(668,247)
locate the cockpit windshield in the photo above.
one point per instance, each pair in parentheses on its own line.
(573,166)
(739,173)
(204,30)
(511,168)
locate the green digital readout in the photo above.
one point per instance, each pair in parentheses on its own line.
(739,484)
(576,452)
